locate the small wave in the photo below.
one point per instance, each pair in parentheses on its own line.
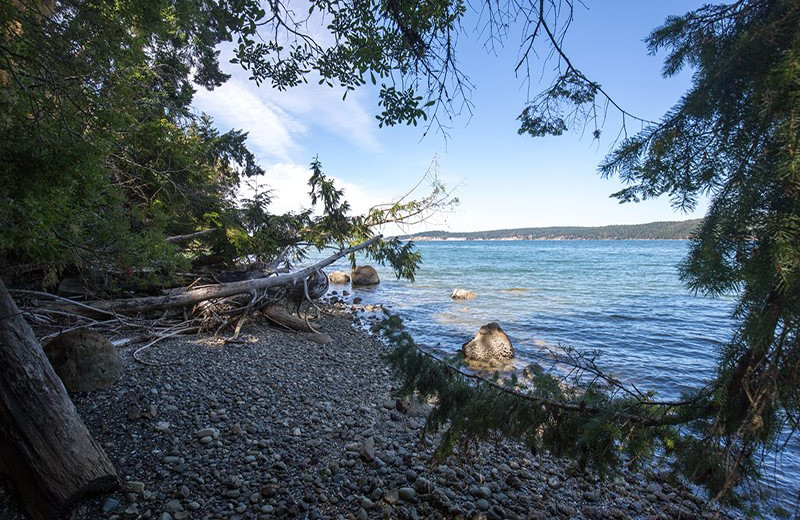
(447,318)
(624,317)
(515,290)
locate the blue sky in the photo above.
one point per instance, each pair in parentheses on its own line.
(502,179)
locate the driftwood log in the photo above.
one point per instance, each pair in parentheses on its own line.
(284,318)
(46,453)
(177,239)
(209,292)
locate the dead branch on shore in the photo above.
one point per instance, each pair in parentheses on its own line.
(208,292)
(211,307)
(179,239)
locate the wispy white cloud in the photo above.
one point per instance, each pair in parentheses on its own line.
(288,186)
(288,183)
(323,106)
(272,132)
(280,123)
(282,128)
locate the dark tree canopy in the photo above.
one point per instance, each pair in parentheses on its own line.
(735,136)
(103,156)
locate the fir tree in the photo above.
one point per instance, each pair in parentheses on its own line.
(734,136)
(103,157)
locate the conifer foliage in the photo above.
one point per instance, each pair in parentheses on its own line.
(735,137)
(104,158)
(598,422)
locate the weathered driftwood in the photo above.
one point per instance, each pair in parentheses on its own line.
(177,239)
(47,453)
(284,318)
(208,292)
(311,288)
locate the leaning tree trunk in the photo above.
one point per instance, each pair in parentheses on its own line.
(46,451)
(193,296)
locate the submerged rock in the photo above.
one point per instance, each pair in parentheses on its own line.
(84,360)
(533,370)
(364,275)
(339,277)
(490,344)
(463,294)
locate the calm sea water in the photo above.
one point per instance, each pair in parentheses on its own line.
(622,298)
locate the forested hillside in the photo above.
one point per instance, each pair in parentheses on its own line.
(680,230)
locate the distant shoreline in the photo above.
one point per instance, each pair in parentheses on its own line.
(540,239)
(670,230)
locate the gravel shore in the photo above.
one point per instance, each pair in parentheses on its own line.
(279,426)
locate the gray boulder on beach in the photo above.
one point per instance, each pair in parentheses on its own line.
(490,344)
(463,294)
(85,360)
(339,277)
(364,275)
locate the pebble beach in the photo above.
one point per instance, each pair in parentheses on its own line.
(279,426)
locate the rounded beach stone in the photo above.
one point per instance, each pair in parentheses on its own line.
(463,294)
(339,277)
(84,360)
(490,344)
(364,275)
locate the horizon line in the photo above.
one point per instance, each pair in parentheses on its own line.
(551,227)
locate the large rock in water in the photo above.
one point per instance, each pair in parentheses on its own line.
(490,345)
(364,275)
(463,294)
(84,360)
(339,277)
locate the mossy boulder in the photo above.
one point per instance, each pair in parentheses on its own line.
(84,360)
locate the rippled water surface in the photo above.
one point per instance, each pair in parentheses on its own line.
(623,298)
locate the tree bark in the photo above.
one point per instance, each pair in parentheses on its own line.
(191,297)
(286,319)
(46,452)
(177,239)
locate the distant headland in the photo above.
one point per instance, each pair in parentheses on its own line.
(673,230)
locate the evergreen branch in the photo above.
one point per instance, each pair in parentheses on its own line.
(581,421)
(407,348)
(572,69)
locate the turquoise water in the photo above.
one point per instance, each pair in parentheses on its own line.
(622,298)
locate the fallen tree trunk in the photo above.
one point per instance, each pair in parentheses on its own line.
(194,296)
(47,453)
(177,239)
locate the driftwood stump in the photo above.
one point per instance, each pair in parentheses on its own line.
(47,453)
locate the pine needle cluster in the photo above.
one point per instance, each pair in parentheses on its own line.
(588,417)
